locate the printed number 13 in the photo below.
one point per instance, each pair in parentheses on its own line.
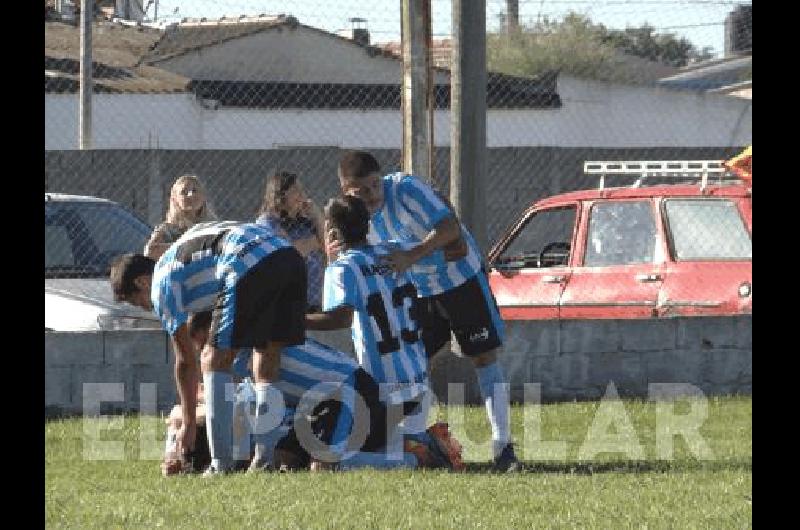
(377,310)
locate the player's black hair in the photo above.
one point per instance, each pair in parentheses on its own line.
(350,217)
(125,269)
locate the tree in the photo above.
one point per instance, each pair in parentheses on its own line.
(644,42)
(577,46)
(703,54)
(573,45)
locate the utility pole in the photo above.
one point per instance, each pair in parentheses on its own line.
(417,95)
(468,117)
(85,138)
(512,16)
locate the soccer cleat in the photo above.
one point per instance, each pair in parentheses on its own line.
(442,451)
(425,458)
(506,461)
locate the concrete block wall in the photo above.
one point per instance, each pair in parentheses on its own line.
(568,359)
(74,360)
(575,359)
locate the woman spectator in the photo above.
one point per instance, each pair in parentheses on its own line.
(291,213)
(188,205)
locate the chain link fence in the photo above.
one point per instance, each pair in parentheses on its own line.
(234,99)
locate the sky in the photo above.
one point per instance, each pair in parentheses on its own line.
(700,21)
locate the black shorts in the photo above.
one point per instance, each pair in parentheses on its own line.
(469,311)
(268,303)
(325,417)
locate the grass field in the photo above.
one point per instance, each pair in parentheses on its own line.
(579,484)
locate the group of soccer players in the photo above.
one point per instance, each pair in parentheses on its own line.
(404,275)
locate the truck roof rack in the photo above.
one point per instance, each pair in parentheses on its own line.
(693,169)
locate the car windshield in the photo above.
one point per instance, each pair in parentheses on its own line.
(81,237)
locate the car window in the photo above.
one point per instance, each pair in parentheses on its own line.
(544,240)
(58,247)
(621,233)
(707,229)
(81,238)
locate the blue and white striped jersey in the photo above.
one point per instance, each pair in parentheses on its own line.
(385,333)
(410,211)
(207,258)
(309,373)
(305,366)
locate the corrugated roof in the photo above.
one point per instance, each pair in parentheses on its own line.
(713,74)
(192,35)
(503,91)
(125,59)
(116,50)
(195,34)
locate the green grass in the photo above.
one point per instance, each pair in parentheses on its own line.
(579,488)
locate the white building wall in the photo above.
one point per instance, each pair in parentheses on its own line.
(593,115)
(125,121)
(269,129)
(609,115)
(606,117)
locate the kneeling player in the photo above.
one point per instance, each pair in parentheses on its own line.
(316,380)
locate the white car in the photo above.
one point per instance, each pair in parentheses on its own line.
(82,236)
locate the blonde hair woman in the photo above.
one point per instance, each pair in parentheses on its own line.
(188,205)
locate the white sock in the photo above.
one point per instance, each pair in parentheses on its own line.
(494,390)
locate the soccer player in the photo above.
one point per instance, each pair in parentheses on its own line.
(254,284)
(453,288)
(314,380)
(362,292)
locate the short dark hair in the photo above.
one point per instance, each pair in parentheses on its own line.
(125,269)
(200,321)
(348,215)
(358,164)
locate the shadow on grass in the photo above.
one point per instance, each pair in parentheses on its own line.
(627,466)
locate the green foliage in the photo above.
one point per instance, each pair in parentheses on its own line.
(608,491)
(574,46)
(577,46)
(644,42)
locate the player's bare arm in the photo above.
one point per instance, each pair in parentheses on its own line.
(339,318)
(186,381)
(455,250)
(444,233)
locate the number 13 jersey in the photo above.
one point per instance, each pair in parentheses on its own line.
(385,331)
